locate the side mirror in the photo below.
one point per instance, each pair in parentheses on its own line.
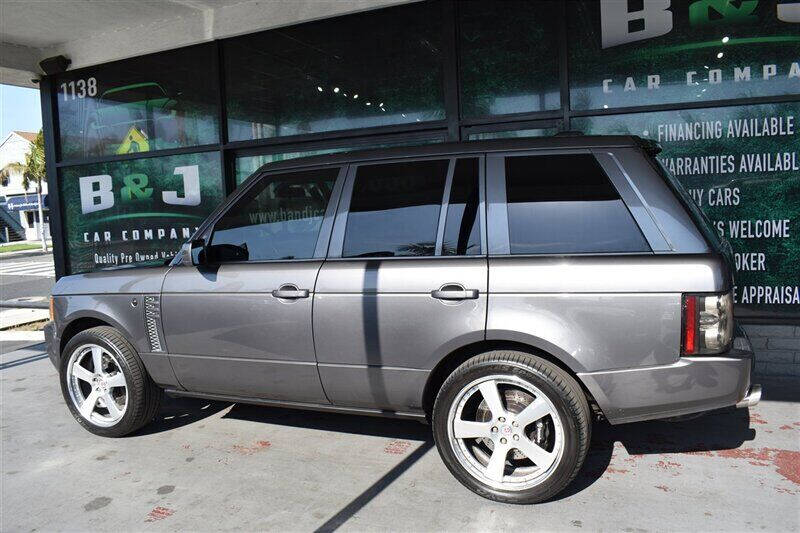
(197,250)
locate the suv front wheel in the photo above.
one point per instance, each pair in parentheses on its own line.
(512,427)
(105,384)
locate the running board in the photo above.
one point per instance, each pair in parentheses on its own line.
(385,413)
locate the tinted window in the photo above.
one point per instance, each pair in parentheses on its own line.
(278,218)
(566,204)
(395,209)
(462,228)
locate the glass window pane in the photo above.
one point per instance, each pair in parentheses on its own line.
(462,234)
(626,53)
(369,69)
(566,204)
(246,165)
(278,218)
(512,134)
(148,103)
(508,57)
(136,211)
(395,209)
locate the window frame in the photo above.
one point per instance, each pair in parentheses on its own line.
(497,203)
(323,237)
(340,224)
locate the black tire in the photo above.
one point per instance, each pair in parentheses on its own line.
(561,389)
(144,396)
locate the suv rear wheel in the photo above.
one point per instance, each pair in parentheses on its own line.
(512,427)
(105,384)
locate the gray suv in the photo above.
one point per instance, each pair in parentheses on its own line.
(509,292)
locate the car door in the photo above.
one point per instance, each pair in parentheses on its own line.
(405,281)
(239,323)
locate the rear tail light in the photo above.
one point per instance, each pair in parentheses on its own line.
(707,323)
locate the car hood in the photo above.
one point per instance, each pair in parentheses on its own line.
(118,280)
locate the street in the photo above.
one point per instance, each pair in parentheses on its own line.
(23,275)
(26,274)
(206,465)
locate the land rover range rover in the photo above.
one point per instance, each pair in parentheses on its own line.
(506,291)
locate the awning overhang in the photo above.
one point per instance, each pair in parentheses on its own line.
(25,203)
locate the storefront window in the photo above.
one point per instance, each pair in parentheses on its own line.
(369,69)
(741,165)
(625,53)
(155,102)
(246,165)
(137,211)
(510,134)
(508,57)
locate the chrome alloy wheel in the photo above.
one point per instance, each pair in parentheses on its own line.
(505,432)
(97,385)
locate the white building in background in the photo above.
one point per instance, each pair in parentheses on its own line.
(14,199)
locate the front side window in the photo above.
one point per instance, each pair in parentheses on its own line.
(394,210)
(278,218)
(560,204)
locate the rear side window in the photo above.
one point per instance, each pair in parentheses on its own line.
(462,228)
(560,204)
(278,218)
(394,210)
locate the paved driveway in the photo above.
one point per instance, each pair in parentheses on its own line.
(211,466)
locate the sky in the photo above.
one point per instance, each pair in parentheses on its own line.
(19,110)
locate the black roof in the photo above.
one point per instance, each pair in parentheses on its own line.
(465,147)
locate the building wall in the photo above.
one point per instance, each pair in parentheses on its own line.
(146,147)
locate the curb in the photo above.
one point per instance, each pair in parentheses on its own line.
(22,336)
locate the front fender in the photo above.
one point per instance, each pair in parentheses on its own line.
(116,310)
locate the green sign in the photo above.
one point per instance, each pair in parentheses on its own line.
(137,211)
(626,54)
(742,167)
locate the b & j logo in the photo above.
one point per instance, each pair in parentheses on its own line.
(620,26)
(97,192)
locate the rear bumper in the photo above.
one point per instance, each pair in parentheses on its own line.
(52,342)
(691,385)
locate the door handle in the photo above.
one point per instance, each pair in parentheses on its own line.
(290,292)
(454,291)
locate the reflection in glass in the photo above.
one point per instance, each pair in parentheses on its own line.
(278,218)
(462,226)
(508,57)
(394,210)
(693,51)
(363,70)
(512,134)
(148,103)
(566,204)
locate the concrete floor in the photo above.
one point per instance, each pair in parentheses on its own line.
(210,466)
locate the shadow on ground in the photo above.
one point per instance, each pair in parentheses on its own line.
(356,424)
(178,412)
(719,430)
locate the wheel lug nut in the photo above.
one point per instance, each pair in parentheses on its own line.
(515,423)
(502,419)
(494,429)
(503,440)
(516,437)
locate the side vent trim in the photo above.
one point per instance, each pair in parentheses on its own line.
(152,318)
